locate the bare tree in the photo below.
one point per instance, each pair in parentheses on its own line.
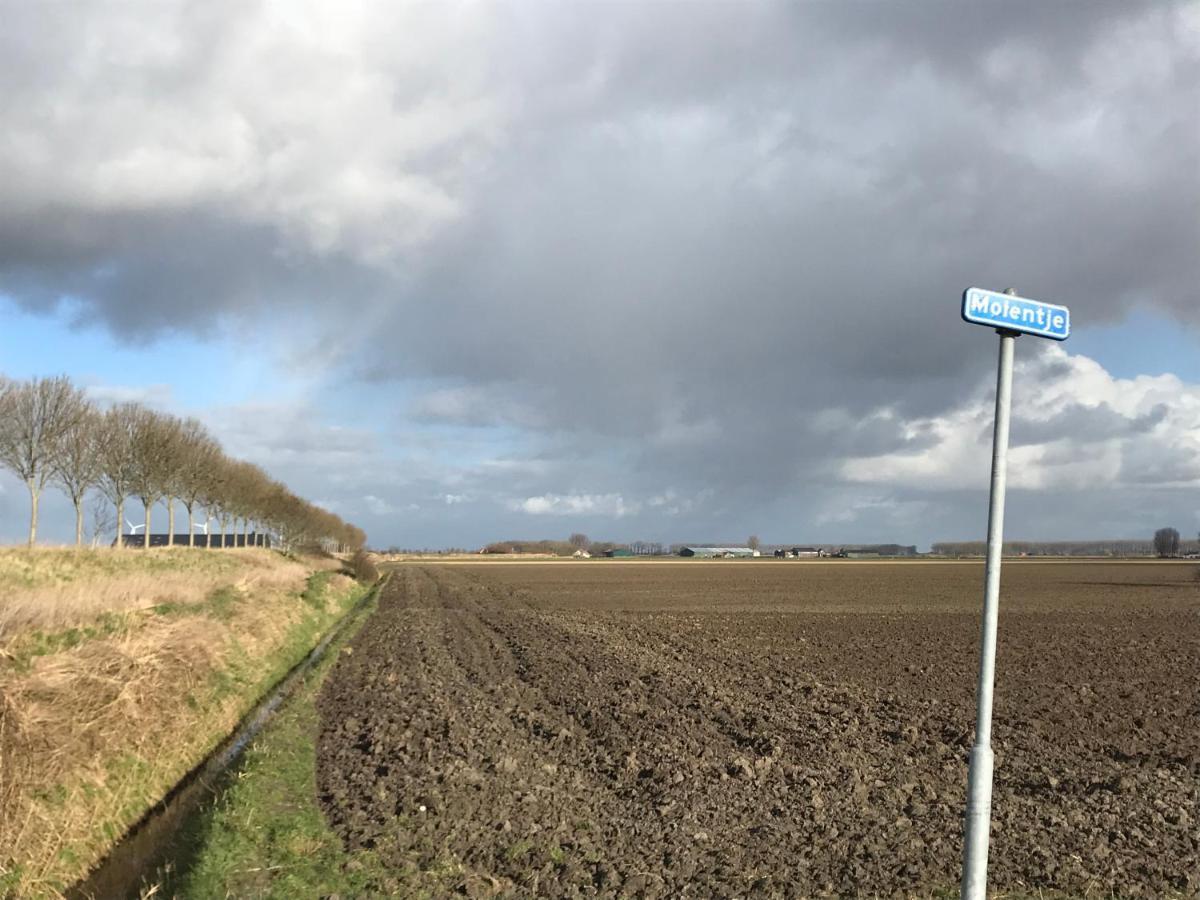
(102,519)
(579,541)
(753,542)
(247,484)
(257,487)
(215,493)
(1166,542)
(116,458)
(170,467)
(34,417)
(150,460)
(48,431)
(77,464)
(199,453)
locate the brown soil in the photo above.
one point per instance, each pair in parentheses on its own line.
(767,729)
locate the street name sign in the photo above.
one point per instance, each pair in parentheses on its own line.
(1019,314)
(1011,316)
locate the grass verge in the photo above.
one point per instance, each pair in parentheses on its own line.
(264,835)
(49,588)
(103,709)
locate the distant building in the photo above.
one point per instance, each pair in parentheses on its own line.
(618,553)
(719,552)
(581,554)
(253,539)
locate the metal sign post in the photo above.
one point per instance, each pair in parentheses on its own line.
(1010,316)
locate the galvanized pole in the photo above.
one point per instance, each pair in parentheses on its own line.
(979,782)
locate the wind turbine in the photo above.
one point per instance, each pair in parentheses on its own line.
(133,528)
(204,527)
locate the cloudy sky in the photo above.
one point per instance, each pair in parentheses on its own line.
(669,271)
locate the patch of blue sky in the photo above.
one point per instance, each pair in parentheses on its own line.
(198,372)
(1144,343)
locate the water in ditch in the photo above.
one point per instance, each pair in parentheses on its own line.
(158,839)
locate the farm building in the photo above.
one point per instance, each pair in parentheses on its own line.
(618,553)
(200,540)
(718,552)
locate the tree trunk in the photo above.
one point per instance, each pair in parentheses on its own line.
(191,527)
(245,533)
(223,520)
(146,533)
(121,523)
(33,513)
(78,501)
(170,521)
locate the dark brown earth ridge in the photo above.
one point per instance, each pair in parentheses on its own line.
(767,729)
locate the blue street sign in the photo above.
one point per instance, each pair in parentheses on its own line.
(1016,314)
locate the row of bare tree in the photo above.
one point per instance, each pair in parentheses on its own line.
(51,434)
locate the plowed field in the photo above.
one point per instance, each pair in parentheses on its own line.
(767,729)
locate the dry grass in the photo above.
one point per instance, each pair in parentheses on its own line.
(53,588)
(163,654)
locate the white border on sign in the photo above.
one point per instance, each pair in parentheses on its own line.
(1022,329)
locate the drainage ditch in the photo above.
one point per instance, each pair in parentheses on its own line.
(153,842)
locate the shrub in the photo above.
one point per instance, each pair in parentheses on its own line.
(361,568)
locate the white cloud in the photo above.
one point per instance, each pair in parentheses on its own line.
(612,505)
(670,503)
(1075,427)
(292,433)
(289,114)
(378,506)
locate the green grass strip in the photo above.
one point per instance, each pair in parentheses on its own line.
(265,836)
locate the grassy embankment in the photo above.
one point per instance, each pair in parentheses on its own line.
(264,835)
(120,671)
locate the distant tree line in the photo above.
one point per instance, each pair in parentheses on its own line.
(554,548)
(575,543)
(1116,548)
(580,541)
(396,550)
(51,434)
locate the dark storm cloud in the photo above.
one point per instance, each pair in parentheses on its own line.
(145,274)
(755,304)
(717,247)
